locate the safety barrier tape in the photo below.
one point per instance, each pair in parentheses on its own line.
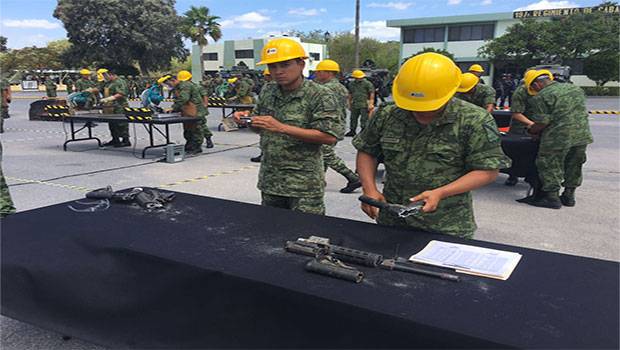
(206,177)
(52,184)
(603,112)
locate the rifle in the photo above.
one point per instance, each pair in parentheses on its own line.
(320,248)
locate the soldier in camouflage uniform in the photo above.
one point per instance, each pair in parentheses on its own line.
(561,117)
(326,72)
(6,203)
(436,149)
(5,94)
(86,84)
(361,99)
(206,132)
(131,87)
(473,92)
(187,98)
(243,91)
(114,101)
(294,117)
(69,84)
(50,88)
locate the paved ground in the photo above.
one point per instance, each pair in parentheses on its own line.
(40,173)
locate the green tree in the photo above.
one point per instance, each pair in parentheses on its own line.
(29,58)
(121,33)
(3,47)
(573,37)
(602,67)
(384,54)
(198,25)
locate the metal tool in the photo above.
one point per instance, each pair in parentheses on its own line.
(402,211)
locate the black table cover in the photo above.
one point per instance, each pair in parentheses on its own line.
(213,273)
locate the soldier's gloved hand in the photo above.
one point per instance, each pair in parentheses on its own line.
(536,128)
(107,99)
(372,212)
(267,122)
(238,115)
(431,199)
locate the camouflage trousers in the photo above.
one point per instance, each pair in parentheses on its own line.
(362,114)
(331,160)
(562,167)
(119,130)
(206,132)
(3,112)
(312,205)
(193,134)
(390,219)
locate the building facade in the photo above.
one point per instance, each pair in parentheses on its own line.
(225,55)
(463,36)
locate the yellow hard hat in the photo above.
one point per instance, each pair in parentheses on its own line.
(280,50)
(328,66)
(266,72)
(476,68)
(184,75)
(468,81)
(232,80)
(530,77)
(164,78)
(358,74)
(426,82)
(100,72)
(84,71)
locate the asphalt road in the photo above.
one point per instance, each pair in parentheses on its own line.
(39,174)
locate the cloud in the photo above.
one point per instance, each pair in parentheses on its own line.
(250,20)
(30,23)
(545,4)
(454,2)
(306,12)
(378,30)
(344,20)
(392,5)
(487,2)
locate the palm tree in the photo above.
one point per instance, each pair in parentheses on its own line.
(198,25)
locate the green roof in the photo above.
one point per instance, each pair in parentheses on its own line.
(483,17)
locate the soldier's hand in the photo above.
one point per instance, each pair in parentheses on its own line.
(536,128)
(431,199)
(372,212)
(267,122)
(238,115)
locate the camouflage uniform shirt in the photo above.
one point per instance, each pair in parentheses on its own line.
(520,103)
(83,84)
(360,90)
(118,86)
(291,167)
(341,94)
(186,91)
(419,158)
(481,97)
(562,107)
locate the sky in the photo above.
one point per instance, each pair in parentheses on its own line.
(30,22)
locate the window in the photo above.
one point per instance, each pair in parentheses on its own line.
(315,56)
(244,53)
(211,56)
(423,35)
(471,32)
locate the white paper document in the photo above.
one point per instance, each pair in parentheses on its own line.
(468,259)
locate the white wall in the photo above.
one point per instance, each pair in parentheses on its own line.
(582,80)
(410,49)
(464,48)
(214,65)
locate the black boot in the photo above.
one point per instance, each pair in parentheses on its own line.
(351,186)
(114,142)
(549,200)
(124,142)
(209,142)
(511,181)
(257,159)
(568,197)
(351,133)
